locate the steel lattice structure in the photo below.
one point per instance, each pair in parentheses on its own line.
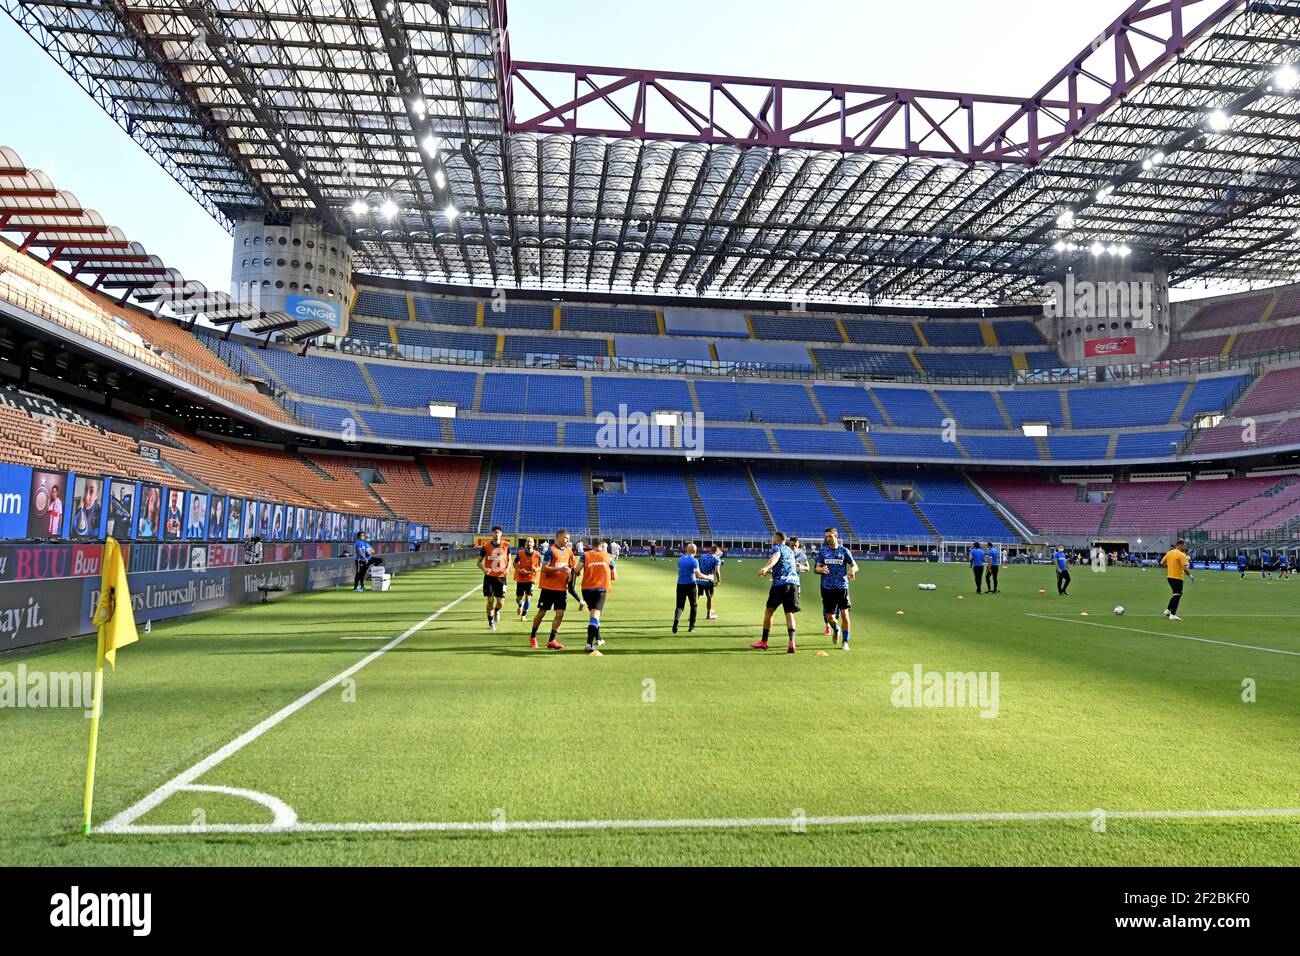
(1173,134)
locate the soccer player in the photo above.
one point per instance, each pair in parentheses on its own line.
(689,576)
(1243,564)
(528,561)
(494,562)
(1265,563)
(1062,572)
(365,557)
(800,556)
(710,564)
(615,549)
(598,574)
(1284,566)
(556,579)
(784,592)
(994,555)
(1175,564)
(837,568)
(977,565)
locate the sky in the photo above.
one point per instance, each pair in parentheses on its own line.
(1009,47)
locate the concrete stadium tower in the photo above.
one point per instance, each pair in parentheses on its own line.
(300,269)
(1109,311)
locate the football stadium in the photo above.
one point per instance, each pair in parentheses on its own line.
(469,522)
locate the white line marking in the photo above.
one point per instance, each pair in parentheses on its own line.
(1179,637)
(283,816)
(504,826)
(376,638)
(186,778)
(1198,616)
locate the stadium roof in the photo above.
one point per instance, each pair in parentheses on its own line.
(1172,135)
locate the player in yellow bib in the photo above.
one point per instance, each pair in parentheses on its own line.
(1175,564)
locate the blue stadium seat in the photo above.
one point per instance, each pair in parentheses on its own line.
(312,374)
(1159,444)
(562,347)
(535,394)
(904,446)
(639,394)
(734,439)
(474,345)
(578,318)
(414,386)
(1089,448)
(959,364)
(795,327)
(1040,361)
(856,362)
(794,502)
(445,311)
(656,501)
(847,401)
(946,334)
(554,497)
(1033,405)
(403,427)
(1017,332)
(330,418)
(1212,395)
(485,432)
(972,408)
(881,332)
(732,401)
(999,447)
(369,333)
(505,504)
(1126,405)
(520,315)
(381,305)
(728,501)
(820,442)
(910,407)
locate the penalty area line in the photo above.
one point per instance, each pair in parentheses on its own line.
(184,780)
(1178,637)
(722,823)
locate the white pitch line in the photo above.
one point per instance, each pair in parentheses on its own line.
(1179,637)
(186,778)
(724,823)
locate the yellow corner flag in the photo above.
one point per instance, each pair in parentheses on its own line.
(116,623)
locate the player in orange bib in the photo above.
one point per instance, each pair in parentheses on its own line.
(494,562)
(1176,563)
(555,577)
(528,563)
(598,576)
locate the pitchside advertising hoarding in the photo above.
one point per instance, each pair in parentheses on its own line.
(304,308)
(1109,348)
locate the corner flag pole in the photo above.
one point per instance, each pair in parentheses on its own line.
(96,707)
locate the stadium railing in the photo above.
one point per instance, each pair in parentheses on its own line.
(1172,368)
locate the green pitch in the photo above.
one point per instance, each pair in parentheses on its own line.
(1095,718)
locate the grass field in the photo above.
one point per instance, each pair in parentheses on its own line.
(456,726)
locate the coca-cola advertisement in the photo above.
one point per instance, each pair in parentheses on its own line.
(1106,348)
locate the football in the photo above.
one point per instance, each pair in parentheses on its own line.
(1119,609)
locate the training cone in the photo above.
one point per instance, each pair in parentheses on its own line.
(1083,614)
(889,587)
(899,613)
(822,654)
(595,654)
(961,597)
(1042,590)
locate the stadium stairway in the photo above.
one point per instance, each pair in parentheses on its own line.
(817,406)
(593,509)
(424,472)
(1106,518)
(1177,416)
(484,495)
(758,498)
(1002,410)
(697,503)
(370,384)
(1015,525)
(845,527)
(929,526)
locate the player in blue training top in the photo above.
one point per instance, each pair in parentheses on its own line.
(785,589)
(1265,563)
(1243,565)
(977,565)
(837,568)
(711,564)
(993,554)
(689,576)
(1062,571)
